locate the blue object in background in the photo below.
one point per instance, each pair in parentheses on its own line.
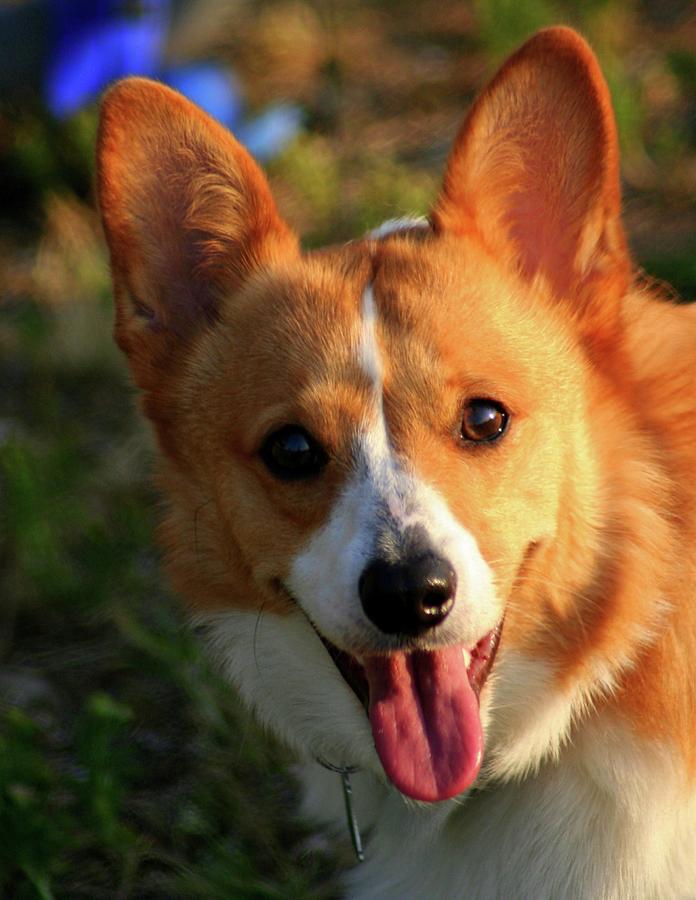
(214,89)
(217,91)
(95,42)
(271,130)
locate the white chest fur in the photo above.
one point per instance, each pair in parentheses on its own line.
(608,821)
(600,815)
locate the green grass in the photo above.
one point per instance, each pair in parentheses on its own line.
(127,767)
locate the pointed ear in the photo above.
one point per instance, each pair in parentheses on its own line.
(188,216)
(534,173)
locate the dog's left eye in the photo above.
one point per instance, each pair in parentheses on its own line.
(483,421)
(291,453)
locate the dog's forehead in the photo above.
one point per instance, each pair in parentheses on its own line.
(330,327)
(418,318)
(305,314)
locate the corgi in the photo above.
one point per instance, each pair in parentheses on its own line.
(433,492)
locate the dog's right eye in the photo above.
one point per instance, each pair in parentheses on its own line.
(291,453)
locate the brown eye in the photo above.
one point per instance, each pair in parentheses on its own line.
(291,454)
(483,420)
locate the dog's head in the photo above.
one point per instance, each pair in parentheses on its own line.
(376,454)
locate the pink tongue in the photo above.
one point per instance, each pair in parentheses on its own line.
(425,721)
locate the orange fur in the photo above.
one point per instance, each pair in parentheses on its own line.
(521,291)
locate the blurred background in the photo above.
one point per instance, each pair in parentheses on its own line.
(127,769)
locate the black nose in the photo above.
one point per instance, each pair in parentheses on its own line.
(407,597)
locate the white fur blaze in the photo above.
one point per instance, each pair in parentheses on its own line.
(383,489)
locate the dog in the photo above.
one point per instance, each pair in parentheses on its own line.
(433,492)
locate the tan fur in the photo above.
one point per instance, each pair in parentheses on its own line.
(521,291)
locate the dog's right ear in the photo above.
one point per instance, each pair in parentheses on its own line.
(188,216)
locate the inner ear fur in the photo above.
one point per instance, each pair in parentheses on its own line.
(534,174)
(188,216)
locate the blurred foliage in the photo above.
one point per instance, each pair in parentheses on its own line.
(127,768)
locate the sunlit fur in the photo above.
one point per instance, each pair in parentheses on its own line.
(578,526)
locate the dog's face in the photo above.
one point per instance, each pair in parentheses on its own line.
(358,411)
(366,450)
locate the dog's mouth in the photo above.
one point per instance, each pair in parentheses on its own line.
(423,707)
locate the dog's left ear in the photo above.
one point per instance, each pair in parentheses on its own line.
(534,175)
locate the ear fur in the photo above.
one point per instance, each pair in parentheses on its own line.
(188,215)
(534,174)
